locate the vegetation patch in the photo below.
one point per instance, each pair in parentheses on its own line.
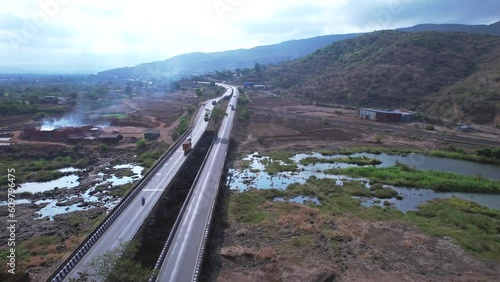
(281,156)
(359,161)
(37,169)
(313,160)
(402,175)
(274,167)
(381,192)
(475,228)
(44,175)
(148,158)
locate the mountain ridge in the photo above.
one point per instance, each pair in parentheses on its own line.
(199,63)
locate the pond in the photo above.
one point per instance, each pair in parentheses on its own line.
(412,198)
(68,181)
(256,177)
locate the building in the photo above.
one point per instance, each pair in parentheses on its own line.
(110,138)
(151,134)
(385,115)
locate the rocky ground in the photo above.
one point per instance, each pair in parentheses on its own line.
(58,237)
(380,251)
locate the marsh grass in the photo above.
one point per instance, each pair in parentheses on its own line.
(402,175)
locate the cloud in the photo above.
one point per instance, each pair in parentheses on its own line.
(116,33)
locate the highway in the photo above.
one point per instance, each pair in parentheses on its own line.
(127,224)
(184,257)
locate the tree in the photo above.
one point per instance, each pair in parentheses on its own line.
(212,83)
(198,92)
(379,138)
(128,90)
(117,265)
(217,115)
(258,67)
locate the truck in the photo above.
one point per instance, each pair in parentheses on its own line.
(214,102)
(186,145)
(207,116)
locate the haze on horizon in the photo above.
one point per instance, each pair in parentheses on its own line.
(87,36)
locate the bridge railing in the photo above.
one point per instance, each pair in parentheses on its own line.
(171,235)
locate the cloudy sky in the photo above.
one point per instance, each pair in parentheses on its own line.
(94,35)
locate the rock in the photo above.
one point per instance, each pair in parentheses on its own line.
(234,252)
(241,232)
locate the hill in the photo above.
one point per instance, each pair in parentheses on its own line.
(201,63)
(448,75)
(492,29)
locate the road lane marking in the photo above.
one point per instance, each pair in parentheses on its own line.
(152,190)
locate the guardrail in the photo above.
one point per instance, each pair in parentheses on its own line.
(206,232)
(87,244)
(170,237)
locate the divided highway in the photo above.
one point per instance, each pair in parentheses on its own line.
(129,221)
(183,260)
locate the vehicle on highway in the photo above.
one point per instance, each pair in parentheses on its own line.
(143,200)
(214,102)
(207,116)
(186,146)
(232,107)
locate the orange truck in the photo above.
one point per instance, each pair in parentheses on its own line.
(186,145)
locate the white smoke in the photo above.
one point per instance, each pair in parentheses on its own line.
(68,121)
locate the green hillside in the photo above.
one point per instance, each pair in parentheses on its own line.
(451,75)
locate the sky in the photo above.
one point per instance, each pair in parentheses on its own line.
(87,36)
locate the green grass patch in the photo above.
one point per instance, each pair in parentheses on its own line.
(115,115)
(274,167)
(382,192)
(44,175)
(281,156)
(359,161)
(148,158)
(440,181)
(313,160)
(247,207)
(356,188)
(462,156)
(450,152)
(182,127)
(475,228)
(28,169)
(349,160)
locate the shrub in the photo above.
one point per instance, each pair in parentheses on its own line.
(141,144)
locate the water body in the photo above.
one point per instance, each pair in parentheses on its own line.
(71,181)
(412,198)
(68,181)
(418,161)
(256,177)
